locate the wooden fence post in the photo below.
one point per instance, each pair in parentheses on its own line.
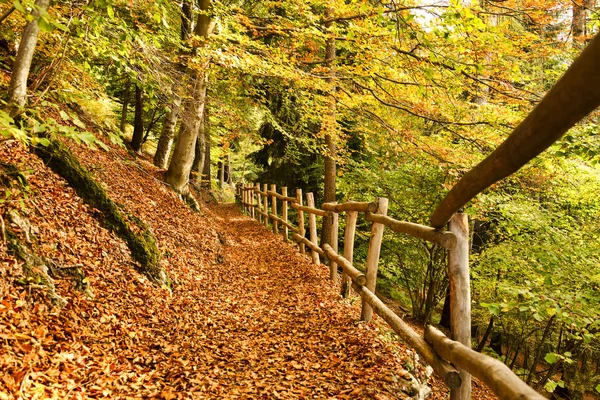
(248,200)
(312,224)
(266,205)
(251,192)
(244,198)
(333,272)
(351,218)
(284,214)
(460,295)
(373,258)
(258,203)
(274,208)
(301,230)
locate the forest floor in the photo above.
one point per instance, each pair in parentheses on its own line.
(247,316)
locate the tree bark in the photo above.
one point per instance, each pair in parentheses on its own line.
(126,94)
(200,153)
(228,169)
(222,174)
(163,149)
(138,125)
(330,127)
(579,20)
(165,143)
(17,91)
(180,167)
(206,178)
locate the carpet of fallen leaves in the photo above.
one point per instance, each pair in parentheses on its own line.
(248,316)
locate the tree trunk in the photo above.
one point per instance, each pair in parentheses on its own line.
(206,179)
(126,95)
(138,125)
(329,194)
(180,167)
(445,317)
(165,143)
(200,153)
(17,91)
(579,20)
(186,19)
(228,178)
(221,174)
(163,149)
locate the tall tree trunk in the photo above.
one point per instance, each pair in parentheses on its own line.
(17,91)
(482,90)
(199,154)
(329,190)
(165,142)
(206,178)
(228,178)
(579,20)
(221,174)
(445,318)
(186,19)
(126,95)
(178,173)
(138,125)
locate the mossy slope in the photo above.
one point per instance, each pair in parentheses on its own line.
(134,231)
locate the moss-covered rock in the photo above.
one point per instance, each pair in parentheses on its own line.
(134,231)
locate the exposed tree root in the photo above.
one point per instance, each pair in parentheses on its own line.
(40,271)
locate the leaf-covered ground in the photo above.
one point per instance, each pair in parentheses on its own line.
(248,316)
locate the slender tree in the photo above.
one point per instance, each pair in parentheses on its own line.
(138,125)
(193,111)
(199,154)
(578,22)
(329,123)
(126,94)
(165,142)
(18,81)
(167,136)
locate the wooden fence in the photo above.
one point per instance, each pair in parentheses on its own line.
(452,360)
(573,97)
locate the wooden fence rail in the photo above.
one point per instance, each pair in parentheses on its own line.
(452,360)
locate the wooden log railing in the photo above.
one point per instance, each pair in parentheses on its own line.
(451,360)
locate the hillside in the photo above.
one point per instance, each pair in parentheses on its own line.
(247,316)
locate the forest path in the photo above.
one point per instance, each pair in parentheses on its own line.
(293,336)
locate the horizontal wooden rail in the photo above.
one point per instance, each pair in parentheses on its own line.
(310,210)
(358,277)
(442,368)
(350,206)
(261,192)
(264,214)
(282,197)
(444,239)
(249,204)
(497,376)
(282,222)
(308,244)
